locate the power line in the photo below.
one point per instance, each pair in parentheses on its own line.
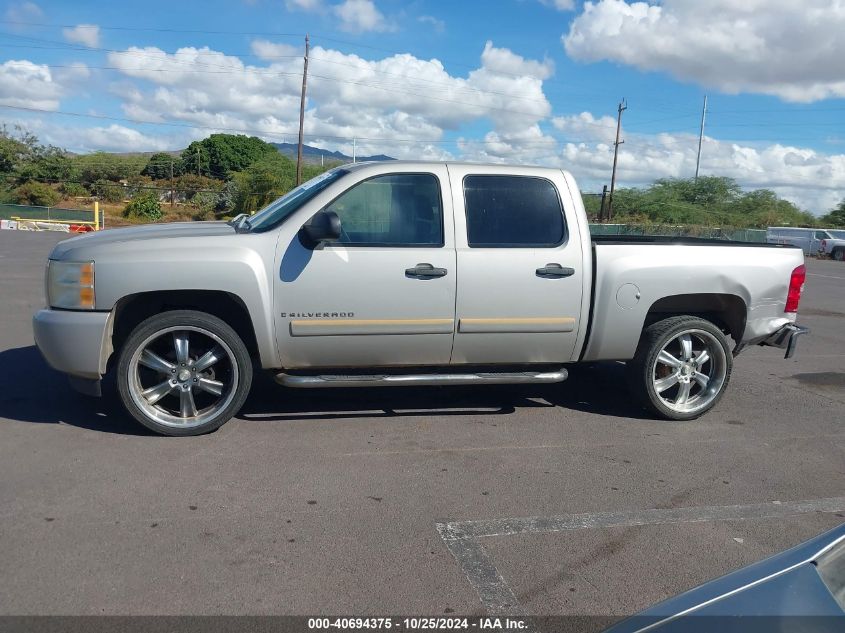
(153,30)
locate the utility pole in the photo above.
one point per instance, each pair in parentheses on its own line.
(700,137)
(302,115)
(623,105)
(199,158)
(353,149)
(171,183)
(603,203)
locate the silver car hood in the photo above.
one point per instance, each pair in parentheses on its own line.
(144,232)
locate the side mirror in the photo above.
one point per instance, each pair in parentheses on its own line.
(323,227)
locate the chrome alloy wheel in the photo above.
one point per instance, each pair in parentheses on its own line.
(182,376)
(689,371)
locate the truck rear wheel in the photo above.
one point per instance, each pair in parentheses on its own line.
(681,368)
(183,372)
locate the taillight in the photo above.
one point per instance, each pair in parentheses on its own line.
(796,286)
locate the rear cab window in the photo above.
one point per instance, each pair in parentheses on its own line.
(505,211)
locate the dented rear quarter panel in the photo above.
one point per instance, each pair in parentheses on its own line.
(758,275)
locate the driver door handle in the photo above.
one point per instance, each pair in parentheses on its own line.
(554,271)
(425,271)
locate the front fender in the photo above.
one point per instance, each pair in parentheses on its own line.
(234,264)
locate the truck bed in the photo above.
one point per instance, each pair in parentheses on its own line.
(631,278)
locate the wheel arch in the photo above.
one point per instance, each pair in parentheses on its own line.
(726,311)
(133,309)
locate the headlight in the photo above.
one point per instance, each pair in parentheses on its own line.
(70,285)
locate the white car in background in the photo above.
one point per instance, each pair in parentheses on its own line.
(808,240)
(834,245)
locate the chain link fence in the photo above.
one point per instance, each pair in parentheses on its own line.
(52,214)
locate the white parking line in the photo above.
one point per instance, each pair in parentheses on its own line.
(462,538)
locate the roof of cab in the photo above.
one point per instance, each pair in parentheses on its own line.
(422,164)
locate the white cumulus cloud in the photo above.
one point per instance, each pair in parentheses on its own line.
(560,5)
(813,180)
(792,50)
(396,104)
(23,12)
(272,50)
(24,84)
(304,5)
(85,34)
(586,126)
(437,24)
(360,16)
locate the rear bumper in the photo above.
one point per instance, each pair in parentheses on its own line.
(785,338)
(75,343)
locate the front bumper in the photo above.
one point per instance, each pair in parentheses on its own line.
(785,338)
(75,343)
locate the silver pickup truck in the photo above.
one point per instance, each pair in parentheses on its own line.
(406,273)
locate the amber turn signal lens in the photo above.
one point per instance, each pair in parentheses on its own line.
(86,274)
(86,297)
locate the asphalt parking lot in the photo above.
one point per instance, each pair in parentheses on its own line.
(420,501)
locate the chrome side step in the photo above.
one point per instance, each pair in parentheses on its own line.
(421,380)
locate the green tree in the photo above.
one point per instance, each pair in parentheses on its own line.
(145,206)
(162,165)
(105,166)
(13,151)
(263,181)
(107,191)
(37,194)
(47,164)
(221,154)
(836,217)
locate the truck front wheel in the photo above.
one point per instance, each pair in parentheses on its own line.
(183,372)
(681,368)
(838,254)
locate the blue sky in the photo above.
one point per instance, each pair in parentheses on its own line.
(529,81)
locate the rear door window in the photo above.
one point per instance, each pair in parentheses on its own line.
(513,211)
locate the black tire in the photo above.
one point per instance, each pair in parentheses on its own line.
(214,339)
(838,254)
(646,373)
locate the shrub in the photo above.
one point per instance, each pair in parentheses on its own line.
(37,194)
(145,206)
(108,191)
(136,185)
(204,203)
(74,190)
(228,197)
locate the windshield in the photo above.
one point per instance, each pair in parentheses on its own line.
(837,235)
(279,209)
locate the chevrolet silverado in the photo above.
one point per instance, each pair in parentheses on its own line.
(406,273)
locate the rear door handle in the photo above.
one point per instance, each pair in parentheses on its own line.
(425,270)
(555,270)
